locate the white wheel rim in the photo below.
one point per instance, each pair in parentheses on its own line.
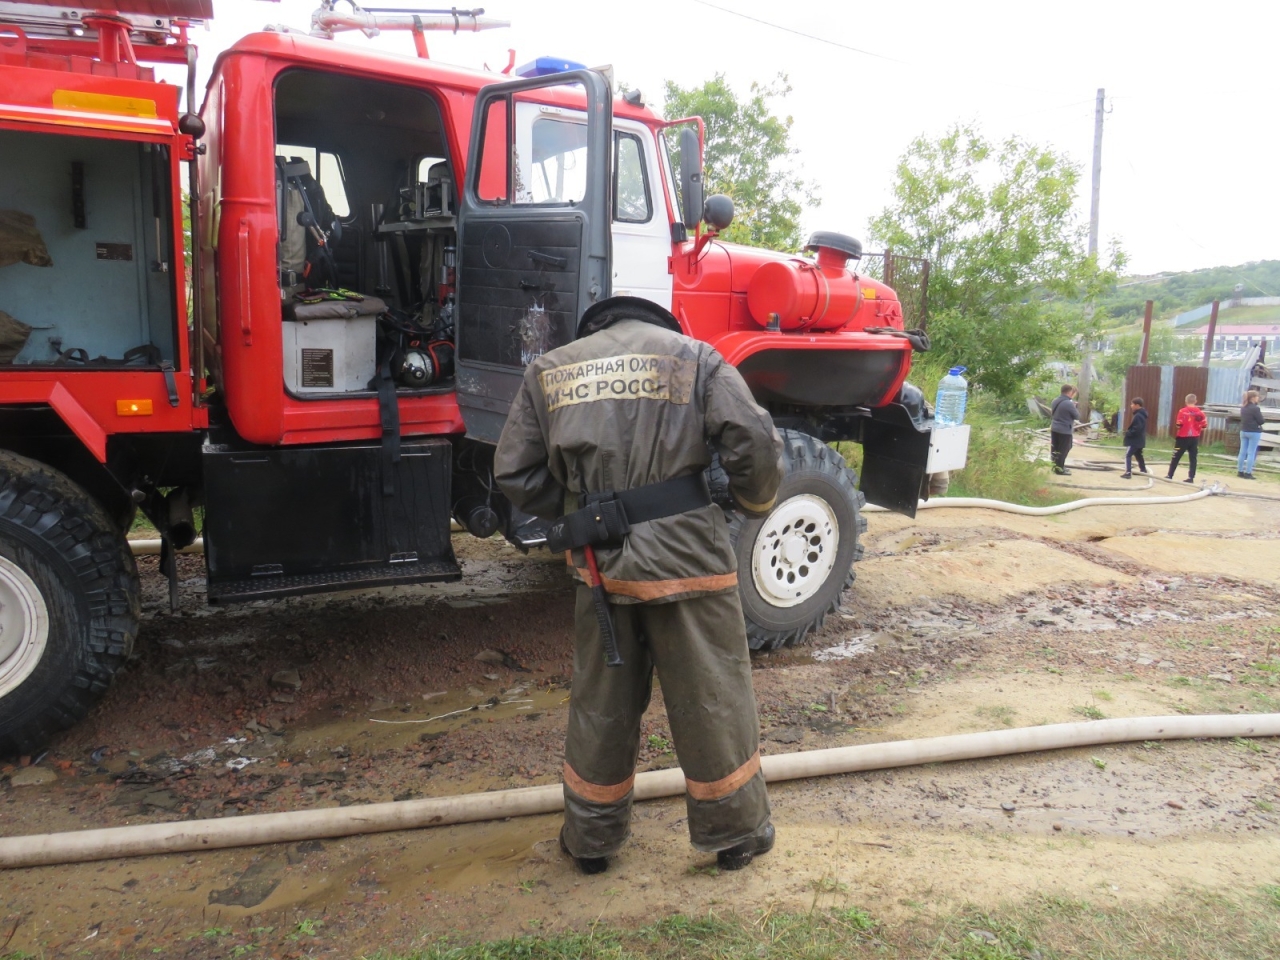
(795,550)
(24,626)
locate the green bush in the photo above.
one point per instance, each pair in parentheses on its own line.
(1000,463)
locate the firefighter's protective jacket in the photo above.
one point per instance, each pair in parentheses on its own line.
(630,405)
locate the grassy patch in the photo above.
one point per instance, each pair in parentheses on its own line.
(1193,926)
(1000,467)
(1001,715)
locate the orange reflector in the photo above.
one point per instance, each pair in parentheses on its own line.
(869,292)
(133,408)
(103,103)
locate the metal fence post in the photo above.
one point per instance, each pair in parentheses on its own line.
(1146,332)
(1208,340)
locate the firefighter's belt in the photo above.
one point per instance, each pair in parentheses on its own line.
(606,518)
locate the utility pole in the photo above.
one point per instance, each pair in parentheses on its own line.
(1086,367)
(1099,110)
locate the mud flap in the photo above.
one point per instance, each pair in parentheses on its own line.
(895,457)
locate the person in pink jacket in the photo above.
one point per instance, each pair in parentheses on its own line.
(1191,423)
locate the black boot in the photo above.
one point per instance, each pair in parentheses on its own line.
(588,865)
(737,857)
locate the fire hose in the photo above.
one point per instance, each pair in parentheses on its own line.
(142,548)
(158,838)
(944,502)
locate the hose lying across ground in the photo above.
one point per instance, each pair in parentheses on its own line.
(944,502)
(153,838)
(142,548)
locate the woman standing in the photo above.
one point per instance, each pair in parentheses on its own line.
(1250,434)
(1191,423)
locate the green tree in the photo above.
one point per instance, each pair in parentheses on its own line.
(1164,348)
(748,155)
(1010,284)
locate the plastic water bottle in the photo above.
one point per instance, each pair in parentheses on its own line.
(953,397)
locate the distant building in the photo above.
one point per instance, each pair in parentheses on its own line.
(1234,338)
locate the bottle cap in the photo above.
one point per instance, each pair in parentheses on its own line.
(956,371)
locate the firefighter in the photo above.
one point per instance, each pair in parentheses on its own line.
(609,436)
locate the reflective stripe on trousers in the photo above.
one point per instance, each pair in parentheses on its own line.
(699,649)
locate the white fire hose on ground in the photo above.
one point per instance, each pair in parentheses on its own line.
(146,548)
(157,838)
(944,502)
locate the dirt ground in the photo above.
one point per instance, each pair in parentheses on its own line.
(960,620)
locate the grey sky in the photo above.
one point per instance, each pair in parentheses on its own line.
(1190,152)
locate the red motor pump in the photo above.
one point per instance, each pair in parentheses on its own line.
(808,296)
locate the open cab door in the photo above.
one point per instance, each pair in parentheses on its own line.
(534,233)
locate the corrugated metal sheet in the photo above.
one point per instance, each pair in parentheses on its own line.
(1163,389)
(1144,382)
(1187,380)
(1227,385)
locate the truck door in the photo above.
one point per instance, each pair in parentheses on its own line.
(534,252)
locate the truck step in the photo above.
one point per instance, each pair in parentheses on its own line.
(292,585)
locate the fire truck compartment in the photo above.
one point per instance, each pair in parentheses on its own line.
(102,207)
(294,520)
(378,156)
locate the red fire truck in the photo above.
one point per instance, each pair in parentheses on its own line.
(378,245)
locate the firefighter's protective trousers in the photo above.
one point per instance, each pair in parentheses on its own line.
(699,649)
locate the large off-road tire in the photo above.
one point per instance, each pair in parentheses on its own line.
(794,564)
(69,603)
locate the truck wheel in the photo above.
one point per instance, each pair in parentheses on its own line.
(69,603)
(794,564)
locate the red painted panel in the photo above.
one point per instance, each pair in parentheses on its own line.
(86,401)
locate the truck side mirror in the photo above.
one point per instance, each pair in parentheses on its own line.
(690,177)
(191,125)
(718,211)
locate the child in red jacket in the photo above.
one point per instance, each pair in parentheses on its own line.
(1191,423)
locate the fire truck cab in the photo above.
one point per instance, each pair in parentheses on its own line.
(377,247)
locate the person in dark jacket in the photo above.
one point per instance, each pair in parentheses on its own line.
(1251,421)
(1063,415)
(628,412)
(1191,422)
(1135,438)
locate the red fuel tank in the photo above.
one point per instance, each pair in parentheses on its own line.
(808,296)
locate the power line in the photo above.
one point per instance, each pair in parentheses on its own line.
(866,53)
(800,33)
